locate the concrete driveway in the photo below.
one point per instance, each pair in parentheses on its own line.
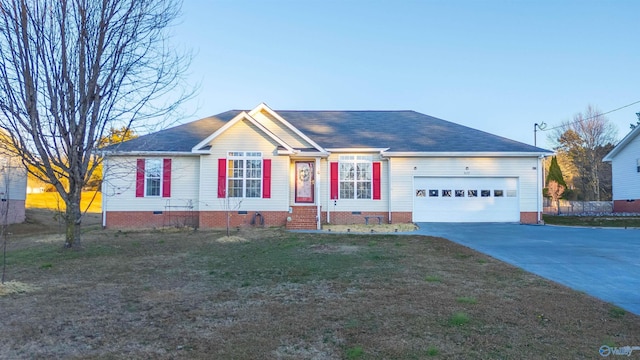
(604,263)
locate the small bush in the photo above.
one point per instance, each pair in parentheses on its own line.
(432,278)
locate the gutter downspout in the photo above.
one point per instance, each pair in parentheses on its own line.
(389,189)
(105,168)
(317,194)
(538,191)
(328,191)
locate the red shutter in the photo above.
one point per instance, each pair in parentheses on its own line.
(376,181)
(266,178)
(140,178)
(222,178)
(334,180)
(166,178)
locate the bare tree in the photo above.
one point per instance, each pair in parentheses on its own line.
(584,140)
(73,69)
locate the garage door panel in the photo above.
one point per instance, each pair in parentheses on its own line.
(477,200)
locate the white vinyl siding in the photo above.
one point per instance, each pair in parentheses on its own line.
(244,136)
(119,185)
(13,180)
(281,131)
(625,175)
(366,204)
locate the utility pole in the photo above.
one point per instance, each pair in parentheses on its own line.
(537,127)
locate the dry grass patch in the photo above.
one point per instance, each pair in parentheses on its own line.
(15,287)
(272,294)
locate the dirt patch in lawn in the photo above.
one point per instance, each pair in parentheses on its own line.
(272,294)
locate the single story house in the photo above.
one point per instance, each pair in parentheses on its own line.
(301,169)
(13,190)
(625,173)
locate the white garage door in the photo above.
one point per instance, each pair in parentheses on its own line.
(452,199)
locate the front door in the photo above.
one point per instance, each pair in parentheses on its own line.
(304,182)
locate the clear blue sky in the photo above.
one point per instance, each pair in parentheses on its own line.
(498,66)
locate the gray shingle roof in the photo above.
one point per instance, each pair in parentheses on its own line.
(400,131)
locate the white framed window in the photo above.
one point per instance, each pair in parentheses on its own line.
(153,177)
(244,174)
(355,176)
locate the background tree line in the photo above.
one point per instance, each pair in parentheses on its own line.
(580,145)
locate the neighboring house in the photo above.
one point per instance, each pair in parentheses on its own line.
(13,190)
(625,173)
(305,168)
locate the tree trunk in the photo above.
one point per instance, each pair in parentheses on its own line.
(73,220)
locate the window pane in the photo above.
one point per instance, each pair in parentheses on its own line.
(254,169)
(253,188)
(153,187)
(472,193)
(459,193)
(346,171)
(485,193)
(237,169)
(446,193)
(152,174)
(346,190)
(364,190)
(364,171)
(235,188)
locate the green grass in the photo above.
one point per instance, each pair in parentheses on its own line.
(616,312)
(355,352)
(458,319)
(432,351)
(432,278)
(599,221)
(467,300)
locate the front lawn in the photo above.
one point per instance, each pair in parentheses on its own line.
(272,294)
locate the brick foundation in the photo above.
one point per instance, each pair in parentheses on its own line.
(624,206)
(302,217)
(203,219)
(530,217)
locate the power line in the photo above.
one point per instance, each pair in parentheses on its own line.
(592,117)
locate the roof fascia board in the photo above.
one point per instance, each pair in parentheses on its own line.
(266,108)
(242,116)
(311,154)
(464,154)
(357,150)
(150,153)
(624,142)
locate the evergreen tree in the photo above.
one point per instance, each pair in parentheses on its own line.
(555,173)
(555,183)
